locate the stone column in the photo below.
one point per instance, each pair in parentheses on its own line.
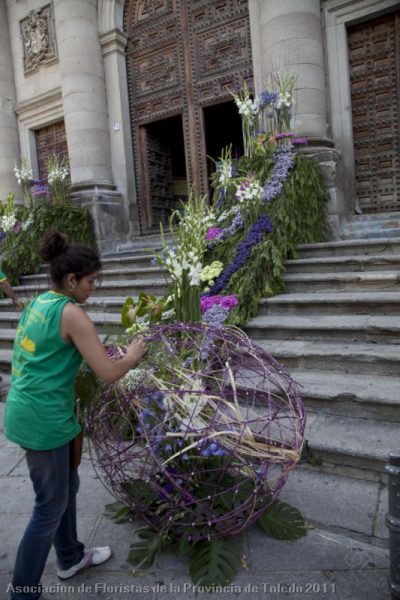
(113,45)
(290,42)
(85,113)
(9,142)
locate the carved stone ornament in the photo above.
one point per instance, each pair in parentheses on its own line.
(38,35)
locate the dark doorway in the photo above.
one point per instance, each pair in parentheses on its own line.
(165,168)
(222,127)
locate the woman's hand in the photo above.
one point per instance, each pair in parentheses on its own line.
(136,349)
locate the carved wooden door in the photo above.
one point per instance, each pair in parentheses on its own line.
(182,56)
(50,140)
(374,55)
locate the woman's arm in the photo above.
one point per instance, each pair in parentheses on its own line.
(77,328)
(8,290)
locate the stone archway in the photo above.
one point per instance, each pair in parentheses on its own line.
(183,58)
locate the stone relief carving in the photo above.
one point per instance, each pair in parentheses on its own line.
(38,36)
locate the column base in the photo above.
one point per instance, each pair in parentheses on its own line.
(108,210)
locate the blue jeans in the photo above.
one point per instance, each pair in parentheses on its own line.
(53,521)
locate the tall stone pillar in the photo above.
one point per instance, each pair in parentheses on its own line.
(9,143)
(289,34)
(85,113)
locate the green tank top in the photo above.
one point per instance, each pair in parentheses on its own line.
(39,411)
(2,276)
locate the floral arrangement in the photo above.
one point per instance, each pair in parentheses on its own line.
(10,224)
(21,227)
(199,440)
(199,451)
(24,176)
(58,178)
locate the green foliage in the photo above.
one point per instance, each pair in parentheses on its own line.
(140,491)
(146,312)
(214,563)
(118,512)
(144,552)
(283,522)
(21,256)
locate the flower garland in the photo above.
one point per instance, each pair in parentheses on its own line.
(254,237)
(284,162)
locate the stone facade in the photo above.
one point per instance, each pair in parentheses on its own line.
(65,60)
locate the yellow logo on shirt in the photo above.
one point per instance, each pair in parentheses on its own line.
(28,344)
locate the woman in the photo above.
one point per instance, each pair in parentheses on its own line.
(53,335)
(5,287)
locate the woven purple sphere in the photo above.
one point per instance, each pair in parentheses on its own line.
(200,439)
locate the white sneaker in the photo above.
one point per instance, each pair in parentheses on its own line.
(92,557)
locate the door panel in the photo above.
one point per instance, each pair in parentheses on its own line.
(374,57)
(182,56)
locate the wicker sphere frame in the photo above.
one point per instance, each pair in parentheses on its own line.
(206,438)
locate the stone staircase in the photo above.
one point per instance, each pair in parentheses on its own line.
(337,329)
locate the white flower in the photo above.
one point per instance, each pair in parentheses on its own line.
(195,274)
(27,223)
(7,222)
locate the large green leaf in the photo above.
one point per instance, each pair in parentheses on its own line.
(214,563)
(283,522)
(118,512)
(140,491)
(127,305)
(143,552)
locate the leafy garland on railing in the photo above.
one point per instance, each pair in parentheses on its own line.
(46,206)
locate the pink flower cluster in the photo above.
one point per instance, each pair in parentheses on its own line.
(228,302)
(213,232)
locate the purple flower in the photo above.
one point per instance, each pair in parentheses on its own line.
(300,142)
(284,134)
(236,225)
(17,227)
(215,316)
(206,302)
(213,232)
(283,163)
(253,237)
(267,97)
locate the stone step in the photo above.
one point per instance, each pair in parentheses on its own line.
(7,337)
(124,273)
(140,245)
(106,322)
(5,361)
(372,233)
(353,395)
(334,264)
(335,282)
(337,357)
(355,506)
(365,328)
(5,383)
(352,446)
(375,216)
(157,287)
(332,303)
(360,246)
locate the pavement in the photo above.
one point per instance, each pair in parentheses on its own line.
(325,564)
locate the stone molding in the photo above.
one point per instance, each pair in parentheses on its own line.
(38,38)
(42,110)
(113,41)
(337,14)
(110,15)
